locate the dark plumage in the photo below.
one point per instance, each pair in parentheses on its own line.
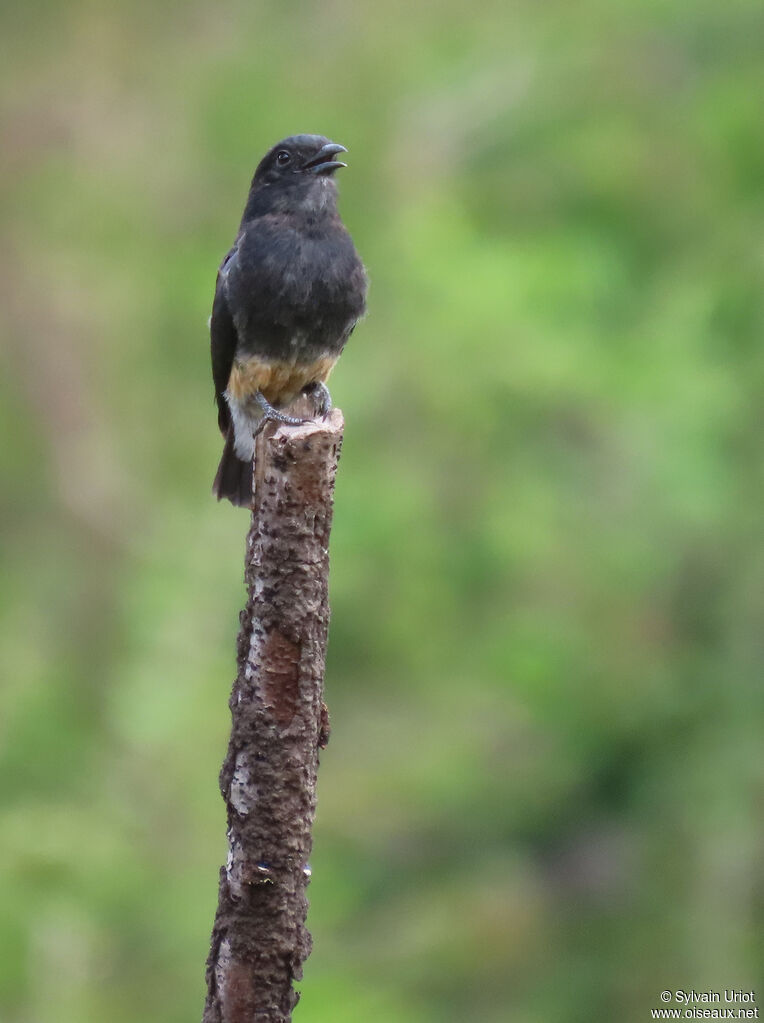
(288,296)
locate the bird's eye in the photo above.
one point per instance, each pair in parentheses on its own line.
(283,157)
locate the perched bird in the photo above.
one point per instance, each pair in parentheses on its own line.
(288,296)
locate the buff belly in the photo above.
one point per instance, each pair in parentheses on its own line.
(278,381)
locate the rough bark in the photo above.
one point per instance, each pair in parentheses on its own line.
(268,780)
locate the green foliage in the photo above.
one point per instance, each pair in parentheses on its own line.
(540,798)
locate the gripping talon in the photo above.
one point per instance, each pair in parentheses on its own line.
(320,391)
(272,414)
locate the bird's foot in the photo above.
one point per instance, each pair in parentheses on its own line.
(273,415)
(323,399)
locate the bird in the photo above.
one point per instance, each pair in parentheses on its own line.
(288,295)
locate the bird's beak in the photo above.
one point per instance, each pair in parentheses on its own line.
(322,162)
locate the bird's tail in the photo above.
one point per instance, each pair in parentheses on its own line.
(233,479)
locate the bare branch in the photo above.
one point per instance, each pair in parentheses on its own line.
(279,722)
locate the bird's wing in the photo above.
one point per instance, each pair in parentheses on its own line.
(223,339)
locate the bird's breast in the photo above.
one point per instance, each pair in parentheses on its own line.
(302,271)
(294,294)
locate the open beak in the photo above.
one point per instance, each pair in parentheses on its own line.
(322,162)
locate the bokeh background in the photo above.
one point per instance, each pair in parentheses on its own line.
(543,796)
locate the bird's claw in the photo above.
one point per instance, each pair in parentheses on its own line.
(271,414)
(320,392)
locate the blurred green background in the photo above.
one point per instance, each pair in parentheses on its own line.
(543,796)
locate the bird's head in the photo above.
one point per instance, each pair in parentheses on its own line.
(299,158)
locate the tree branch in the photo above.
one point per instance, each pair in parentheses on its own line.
(279,722)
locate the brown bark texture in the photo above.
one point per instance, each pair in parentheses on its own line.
(279,723)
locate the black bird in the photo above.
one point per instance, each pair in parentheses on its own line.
(288,296)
